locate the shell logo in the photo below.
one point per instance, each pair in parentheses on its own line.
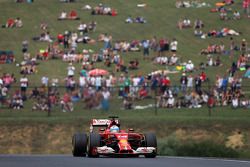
(123,141)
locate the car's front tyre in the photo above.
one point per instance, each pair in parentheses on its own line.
(150,141)
(94,142)
(79,144)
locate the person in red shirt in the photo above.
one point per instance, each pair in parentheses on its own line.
(203,76)
(10,23)
(73,15)
(60,38)
(113,12)
(246,7)
(143,93)
(66,103)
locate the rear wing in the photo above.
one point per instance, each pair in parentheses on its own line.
(103,122)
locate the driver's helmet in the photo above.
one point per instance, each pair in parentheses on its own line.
(114,128)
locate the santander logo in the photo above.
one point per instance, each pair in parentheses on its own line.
(122,136)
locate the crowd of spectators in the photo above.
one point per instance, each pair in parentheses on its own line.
(193,90)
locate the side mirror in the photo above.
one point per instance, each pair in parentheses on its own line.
(131,130)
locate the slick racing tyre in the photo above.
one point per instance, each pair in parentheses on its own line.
(79,144)
(150,141)
(94,141)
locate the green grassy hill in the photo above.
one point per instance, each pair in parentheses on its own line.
(162,17)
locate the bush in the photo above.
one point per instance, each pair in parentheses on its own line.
(173,147)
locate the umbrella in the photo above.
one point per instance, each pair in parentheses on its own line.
(219,4)
(97,72)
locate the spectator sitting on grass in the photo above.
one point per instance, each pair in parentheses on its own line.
(127,102)
(34,93)
(133,64)
(10,23)
(140,19)
(44,26)
(41,104)
(18,22)
(103,10)
(129,20)
(17,101)
(186,23)
(236,15)
(189,66)
(161,60)
(173,60)
(44,37)
(71,16)
(67,1)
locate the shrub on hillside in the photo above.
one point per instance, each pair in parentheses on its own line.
(173,147)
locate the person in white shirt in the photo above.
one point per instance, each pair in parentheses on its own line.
(45,81)
(173,60)
(24,84)
(235,102)
(92,81)
(173,45)
(170,102)
(190,66)
(71,70)
(135,83)
(106,96)
(63,16)
(98,82)
(108,83)
(186,23)
(190,80)
(82,27)
(54,82)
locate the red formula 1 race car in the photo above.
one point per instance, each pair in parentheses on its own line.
(109,140)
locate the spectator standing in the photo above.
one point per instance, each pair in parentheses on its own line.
(82,84)
(224,84)
(243,46)
(66,40)
(197,84)
(71,70)
(232,47)
(105,100)
(24,82)
(145,45)
(98,82)
(107,41)
(190,82)
(3,95)
(174,46)
(25,45)
(183,82)
(45,81)
(246,7)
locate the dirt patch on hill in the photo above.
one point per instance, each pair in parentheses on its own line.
(35,139)
(235,140)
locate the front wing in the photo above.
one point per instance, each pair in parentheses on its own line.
(104,150)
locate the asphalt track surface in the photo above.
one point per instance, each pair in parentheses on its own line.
(69,161)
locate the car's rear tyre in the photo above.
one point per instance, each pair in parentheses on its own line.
(150,141)
(79,144)
(94,141)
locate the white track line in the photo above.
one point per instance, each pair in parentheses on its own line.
(207,159)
